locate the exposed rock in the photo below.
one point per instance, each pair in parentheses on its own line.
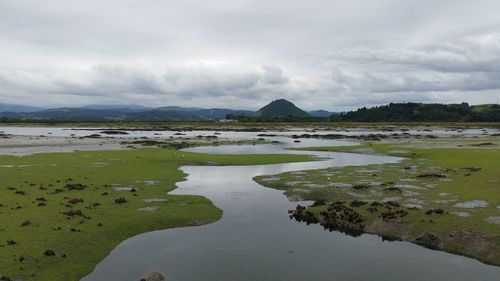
(319,202)
(113,132)
(393,215)
(357,203)
(49,253)
(342,218)
(75,186)
(120,200)
(75,213)
(429,240)
(360,186)
(155,276)
(431,176)
(75,201)
(435,211)
(302,215)
(396,189)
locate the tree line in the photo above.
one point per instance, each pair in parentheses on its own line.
(420,112)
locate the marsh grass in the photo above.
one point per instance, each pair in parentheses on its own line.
(81,205)
(430,179)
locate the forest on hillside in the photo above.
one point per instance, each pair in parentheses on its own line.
(420,112)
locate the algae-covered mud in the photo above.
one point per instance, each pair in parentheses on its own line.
(445,196)
(68,215)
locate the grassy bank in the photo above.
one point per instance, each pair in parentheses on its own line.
(445,198)
(61,213)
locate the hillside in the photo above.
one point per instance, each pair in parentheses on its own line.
(321,113)
(281,108)
(419,112)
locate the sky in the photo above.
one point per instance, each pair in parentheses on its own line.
(320,54)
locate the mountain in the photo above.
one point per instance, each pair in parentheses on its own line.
(185,114)
(320,113)
(130,107)
(177,108)
(206,114)
(221,113)
(281,108)
(6,107)
(123,113)
(69,113)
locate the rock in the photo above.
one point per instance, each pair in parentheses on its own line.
(357,203)
(49,253)
(429,240)
(360,186)
(121,200)
(113,132)
(435,211)
(393,215)
(75,186)
(431,176)
(155,276)
(75,201)
(319,202)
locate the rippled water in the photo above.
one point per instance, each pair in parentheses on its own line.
(255,239)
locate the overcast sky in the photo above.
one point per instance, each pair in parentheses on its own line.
(329,54)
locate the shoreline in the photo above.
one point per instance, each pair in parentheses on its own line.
(426,200)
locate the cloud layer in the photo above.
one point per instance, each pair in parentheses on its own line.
(335,55)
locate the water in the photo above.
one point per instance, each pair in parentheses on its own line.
(255,239)
(160,134)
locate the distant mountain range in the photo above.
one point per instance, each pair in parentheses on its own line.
(99,112)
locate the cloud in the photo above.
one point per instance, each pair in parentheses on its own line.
(332,54)
(469,64)
(172,84)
